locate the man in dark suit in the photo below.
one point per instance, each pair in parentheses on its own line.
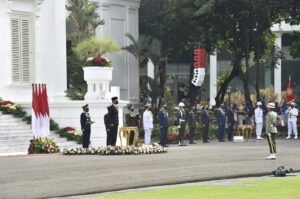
(113,118)
(192,124)
(204,118)
(163,118)
(85,121)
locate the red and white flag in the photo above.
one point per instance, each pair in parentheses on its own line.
(40,119)
(290,97)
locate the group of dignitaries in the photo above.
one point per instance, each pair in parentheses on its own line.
(225,116)
(183,118)
(111,121)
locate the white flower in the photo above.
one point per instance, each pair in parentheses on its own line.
(90,59)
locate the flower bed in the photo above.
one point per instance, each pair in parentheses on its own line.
(8,107)
(118,150)
(71,134)
(43,145)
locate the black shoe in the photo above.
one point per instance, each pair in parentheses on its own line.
(205,141)
(193,143)
(230,140)
(165,145)
(221,140)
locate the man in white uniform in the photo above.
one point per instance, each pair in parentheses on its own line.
(259,120)
(292,114)
(148,123)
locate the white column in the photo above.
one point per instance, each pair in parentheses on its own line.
(277,69)
(212,79)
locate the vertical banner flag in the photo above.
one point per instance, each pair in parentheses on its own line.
(199,62)
(40,119)
(290,97)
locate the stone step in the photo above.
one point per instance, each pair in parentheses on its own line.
(8,124)
(18,127)
(6,116)
(16,138)
(9,120)
(15,134)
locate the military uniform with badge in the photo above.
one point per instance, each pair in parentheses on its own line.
(85,121)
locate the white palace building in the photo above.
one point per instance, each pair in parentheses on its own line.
(33,50)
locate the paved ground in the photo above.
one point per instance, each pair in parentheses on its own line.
(43,176)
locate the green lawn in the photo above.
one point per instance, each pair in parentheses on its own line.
(275,188)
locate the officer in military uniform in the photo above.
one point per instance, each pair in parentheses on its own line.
(163,119)
(192,124)
(204,119)
(292,114)
(113,118)
(230,123)
(271,130)
(85,121)
(132,120)
(181,120)
(221,118)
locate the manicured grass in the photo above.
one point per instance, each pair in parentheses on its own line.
(275,188)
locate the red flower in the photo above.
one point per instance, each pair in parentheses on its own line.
(99,60)
(68,129)
(4,103)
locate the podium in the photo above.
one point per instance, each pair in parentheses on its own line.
(246,131)
(125,132)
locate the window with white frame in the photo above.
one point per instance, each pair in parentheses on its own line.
(21,48)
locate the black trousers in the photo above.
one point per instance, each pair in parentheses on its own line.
(230,132)
(86,138)
(272,143)
(114,133)
(220,134)
(131,137)
(163,136)
(192,134)
(181,132)
(108,137)
(205,133)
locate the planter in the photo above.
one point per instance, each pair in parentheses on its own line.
(98,80)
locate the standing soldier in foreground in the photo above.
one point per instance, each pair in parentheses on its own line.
(181,120)
(204,118)
(192,124)
(85,122)
(271,130)
(163,119)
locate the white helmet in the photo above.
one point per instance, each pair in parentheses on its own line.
(181,104)
(258,103)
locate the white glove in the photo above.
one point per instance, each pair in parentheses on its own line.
(179,126)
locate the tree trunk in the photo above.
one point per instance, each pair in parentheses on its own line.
(234,73)
(162,81)
(257,81)
(245,78)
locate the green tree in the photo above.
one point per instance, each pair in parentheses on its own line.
(82,23)
(139,49)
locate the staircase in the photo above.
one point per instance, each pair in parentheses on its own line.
(15,135)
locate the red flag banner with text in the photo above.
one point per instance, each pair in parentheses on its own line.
(40,119)
(290,97)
